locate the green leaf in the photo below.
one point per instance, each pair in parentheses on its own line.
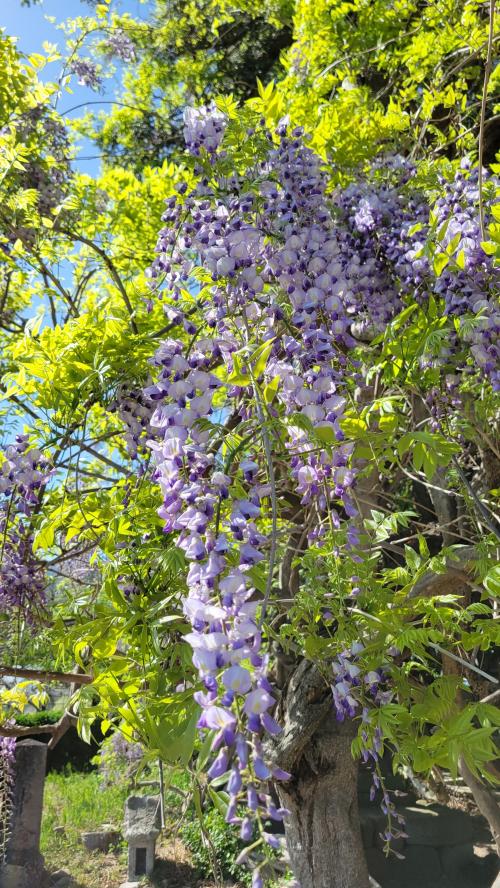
(488,247)
(271,389)
(491,581)
(260,357)
(325,434)
(440,262)
(238,377)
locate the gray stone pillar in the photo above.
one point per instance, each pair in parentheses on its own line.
(23,848)
(141,831)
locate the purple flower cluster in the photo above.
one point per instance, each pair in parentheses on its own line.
(135,410)
(119,44)
(387,256)
(376,215)
(221,541)
(251,272)
(470,283)
(443,403)
(7,777)
(354,689)
(46,170)
(118,757)
(86,72)
(204,128)
(23,476)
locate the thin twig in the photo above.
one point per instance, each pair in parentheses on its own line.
(487,73)
(437,647)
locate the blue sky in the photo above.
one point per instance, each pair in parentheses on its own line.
(31,28)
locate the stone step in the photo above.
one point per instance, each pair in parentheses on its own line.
(434,825)
(445,848)
(426,867)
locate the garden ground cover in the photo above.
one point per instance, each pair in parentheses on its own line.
(80,802)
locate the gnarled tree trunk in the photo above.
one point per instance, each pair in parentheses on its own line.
(323,830)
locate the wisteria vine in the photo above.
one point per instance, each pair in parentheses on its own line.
(24,472)
(7,776)
(289,280)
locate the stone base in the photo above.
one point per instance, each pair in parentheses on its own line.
(130,885)
(13,876)
(59,874)
(100,840)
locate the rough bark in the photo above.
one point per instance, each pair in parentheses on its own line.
(483,796)
(323,831)
(484,799)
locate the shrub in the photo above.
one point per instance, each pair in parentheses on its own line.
(223,849)
(33,719)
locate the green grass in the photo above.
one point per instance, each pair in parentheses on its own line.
(80,802)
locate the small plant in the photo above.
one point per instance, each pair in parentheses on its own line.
(33,719)
(214,842)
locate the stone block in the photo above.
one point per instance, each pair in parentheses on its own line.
(142,818)
(420,868)
(58,875)
(439,826)
(142,815)
(12,876)
(464,867)
(100,840)
(372,823)
(23,847)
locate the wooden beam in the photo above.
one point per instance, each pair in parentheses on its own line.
(41,675)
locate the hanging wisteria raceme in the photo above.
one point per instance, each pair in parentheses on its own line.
(24,473)
(390,225)
(45,171)
(135,411)
(357,692)
(119,44)
(275,264)
(443,402)
(7,777)
(274,284)
(86,72)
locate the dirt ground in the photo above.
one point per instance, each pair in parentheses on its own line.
(97,870)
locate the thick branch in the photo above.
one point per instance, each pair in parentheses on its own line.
(484,799)
(305,703)
(22,731)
